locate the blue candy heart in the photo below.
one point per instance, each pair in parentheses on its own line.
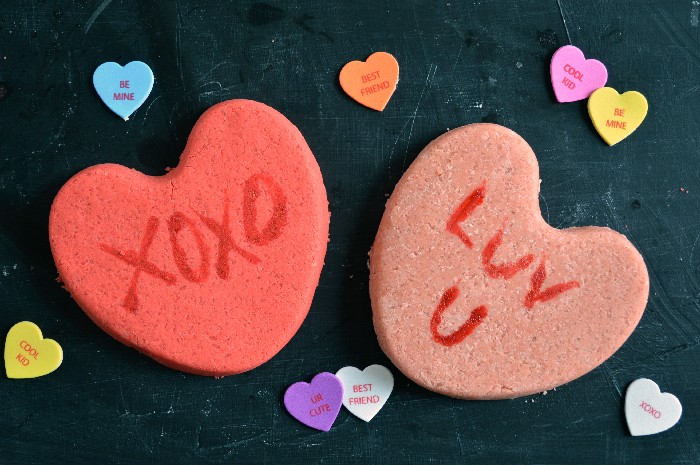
(123,89)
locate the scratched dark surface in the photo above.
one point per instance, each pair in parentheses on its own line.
(461,62)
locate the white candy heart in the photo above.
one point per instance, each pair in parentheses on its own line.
(365,392)
(648,410)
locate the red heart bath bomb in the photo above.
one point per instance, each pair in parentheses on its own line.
(474,295)
(211,268)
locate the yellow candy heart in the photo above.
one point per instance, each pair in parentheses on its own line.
(616,116)
(28,354)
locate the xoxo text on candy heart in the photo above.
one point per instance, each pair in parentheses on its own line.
(495,271)
(179,222)
(650,410)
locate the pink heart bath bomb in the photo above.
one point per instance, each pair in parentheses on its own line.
(573,77)
(211,268)
(474,295)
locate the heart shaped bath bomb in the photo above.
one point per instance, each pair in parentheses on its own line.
(616,116)
(474,296)
(573,77)
(648,410)
(371,82)
(123,89)
(211,268)
(28,354)
(315,404)
(366,391)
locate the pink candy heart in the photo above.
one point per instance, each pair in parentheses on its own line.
(573,77)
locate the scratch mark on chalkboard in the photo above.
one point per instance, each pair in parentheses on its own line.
(261,14)
(662,356)
(211,71)
(675,33)
(546,206)
(610,378)
(687,440)
(94,16)
(692,250)
(418,30)
(669,315)
(428,78)
(177,41)
(694,11)
(678,246)
(563,20)
(301,22)
(458,436)
(149,107)
(459,54)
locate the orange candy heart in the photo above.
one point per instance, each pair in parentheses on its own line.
(371,82)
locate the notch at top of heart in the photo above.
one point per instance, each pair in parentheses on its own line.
(123,88)
(372,82)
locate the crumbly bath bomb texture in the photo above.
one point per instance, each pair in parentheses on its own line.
(211,268)
(474,296)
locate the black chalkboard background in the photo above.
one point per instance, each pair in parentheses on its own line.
(461,62)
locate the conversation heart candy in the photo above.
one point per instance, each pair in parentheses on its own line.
(573,77)
(474,295)
(371,82)
(123,89)
(211,268)
(365,392)
(648,410)
(616,116)
(315,404)
(28,354)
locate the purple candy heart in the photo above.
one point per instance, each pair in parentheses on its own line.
(316,404)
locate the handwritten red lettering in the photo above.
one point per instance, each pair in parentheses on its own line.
(463,211)
(139,260)
(226,243)
(177,223)
(475,319)
(507,270)
(278,220)
(494,271)
(534,295)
